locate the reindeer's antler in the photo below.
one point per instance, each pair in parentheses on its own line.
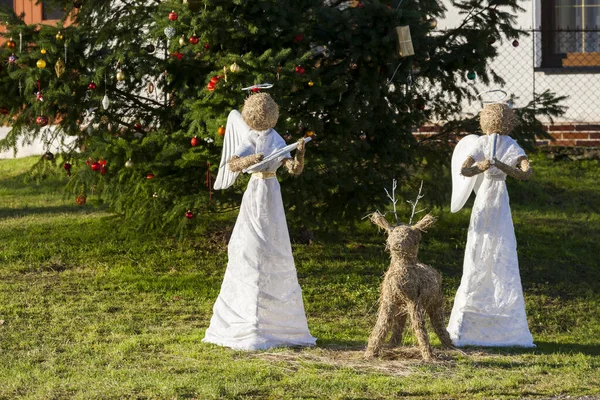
(414,204)
(393,197)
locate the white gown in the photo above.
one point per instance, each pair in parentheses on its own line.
(489,309)
(260,304)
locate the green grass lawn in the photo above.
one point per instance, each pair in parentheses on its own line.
(89,310)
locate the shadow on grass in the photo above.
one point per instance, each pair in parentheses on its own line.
(541,348)
(27,211)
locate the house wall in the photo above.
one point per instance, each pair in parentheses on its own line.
(516,65)
(34,148)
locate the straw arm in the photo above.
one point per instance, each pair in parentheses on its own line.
(237,163)
(296,166)
(524,171)
(470,168)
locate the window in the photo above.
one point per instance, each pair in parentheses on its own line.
(50,12)
(571,33)
(6,3)
(38,12)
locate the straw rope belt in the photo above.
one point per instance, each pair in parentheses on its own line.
(495,177)
(264,175)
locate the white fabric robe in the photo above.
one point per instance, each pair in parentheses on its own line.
(260,304)
(489,309)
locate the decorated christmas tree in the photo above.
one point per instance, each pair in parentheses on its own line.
(145,88)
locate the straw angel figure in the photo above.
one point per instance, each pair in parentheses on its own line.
(489,309)
(260,304)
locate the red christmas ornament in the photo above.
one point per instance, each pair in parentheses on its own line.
(103,170)
(206,46)
(102,162)
(3,110)
(194,142)
(173,16)
(67,167)
(177,54)
(138,126)
(42,120)
(96,166)
(515,43)
(221,131)
(255,90)
(92,86)
(213,82)
(300,69)
(150,176)
(194,39)
(189,214)
(298,38)
(81,199)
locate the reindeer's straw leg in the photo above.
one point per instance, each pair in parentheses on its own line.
(417,316)
(397,328)
(436,313)
(382,327)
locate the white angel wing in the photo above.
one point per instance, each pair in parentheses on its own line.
(462,185)
(235,130)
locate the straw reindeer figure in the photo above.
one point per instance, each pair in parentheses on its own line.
(409,288)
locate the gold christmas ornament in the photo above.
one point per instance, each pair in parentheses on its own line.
(311,83)
(404,41)
(59,67)
(182,41)
(59,36)
(234,67)
(150,88)
(120,75)
(41,64)
(43,51)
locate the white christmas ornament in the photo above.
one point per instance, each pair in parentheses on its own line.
(105,102)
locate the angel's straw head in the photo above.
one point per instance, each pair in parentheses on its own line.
(260,112)
(497,118)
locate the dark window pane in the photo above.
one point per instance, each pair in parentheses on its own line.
(7,3)
(568,17)
(52,12)
(563,3)
(592,18)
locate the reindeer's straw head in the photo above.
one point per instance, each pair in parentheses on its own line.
(403,239)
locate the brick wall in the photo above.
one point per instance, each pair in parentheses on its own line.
(573,135)
(566,135)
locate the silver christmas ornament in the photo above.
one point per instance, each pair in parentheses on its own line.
(170,32)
